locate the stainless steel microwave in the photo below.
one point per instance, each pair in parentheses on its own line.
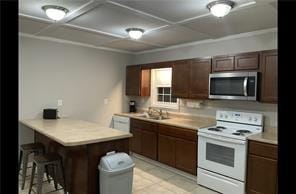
(233,86)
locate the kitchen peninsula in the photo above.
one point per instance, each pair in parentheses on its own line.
(81,145)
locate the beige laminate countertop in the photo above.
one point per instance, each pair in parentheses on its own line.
(265,137)
(190,123)
(71,132)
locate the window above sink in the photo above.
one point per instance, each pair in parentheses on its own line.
(161,92)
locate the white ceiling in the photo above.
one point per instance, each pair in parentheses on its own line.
(102,23)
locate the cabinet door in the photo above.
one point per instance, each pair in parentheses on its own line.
(166,149)
(223,63)
(186,159)
(199,78)
(145,82)
(180,79)
(135,141)
(149,144)
(262,175)
(133,80)
(247,61)
(269,81)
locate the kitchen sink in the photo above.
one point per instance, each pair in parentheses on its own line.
(153,117)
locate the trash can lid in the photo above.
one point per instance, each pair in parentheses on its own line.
(116,161)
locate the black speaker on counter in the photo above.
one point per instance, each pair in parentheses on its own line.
(50,113)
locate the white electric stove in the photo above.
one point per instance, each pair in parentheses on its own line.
(222,151)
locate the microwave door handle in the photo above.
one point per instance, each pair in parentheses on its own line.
(245,86)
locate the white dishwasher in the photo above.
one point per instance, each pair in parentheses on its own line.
(121,123)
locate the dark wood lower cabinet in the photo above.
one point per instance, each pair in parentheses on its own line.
(149,144)
(174,146)
(262,169)
(186,159)
(166,149)
(135,141)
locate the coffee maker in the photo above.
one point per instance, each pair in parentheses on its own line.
(132,106)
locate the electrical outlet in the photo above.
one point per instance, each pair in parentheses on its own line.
(190,104)
(60,102)
(106,101)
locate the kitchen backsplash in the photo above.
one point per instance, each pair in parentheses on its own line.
(209,108)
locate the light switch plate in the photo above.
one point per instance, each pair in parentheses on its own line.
(60,102)
(106,101)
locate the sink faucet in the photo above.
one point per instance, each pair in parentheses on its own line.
(158,111)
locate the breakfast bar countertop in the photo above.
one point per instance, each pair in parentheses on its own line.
(71,132)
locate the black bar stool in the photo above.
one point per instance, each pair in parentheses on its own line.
(25,151)
(52,160)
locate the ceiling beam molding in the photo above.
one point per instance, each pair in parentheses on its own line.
(74,43)
(72,15)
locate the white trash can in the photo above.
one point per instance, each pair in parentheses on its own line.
(116,174)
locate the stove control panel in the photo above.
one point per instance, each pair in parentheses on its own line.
(240,117)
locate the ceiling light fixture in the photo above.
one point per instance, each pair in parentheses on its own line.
(220,8)
(135,33)
(55,12)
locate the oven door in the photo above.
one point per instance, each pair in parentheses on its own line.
(225,156)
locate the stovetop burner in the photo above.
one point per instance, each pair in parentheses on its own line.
(237,133)
(214,129)
(243,131)
(220,127)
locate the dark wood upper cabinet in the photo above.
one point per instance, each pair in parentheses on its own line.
(180,78)
(262,168)
(223,63)
(247,61)
(269,77)
(236,62)
(137,81)
(199,78)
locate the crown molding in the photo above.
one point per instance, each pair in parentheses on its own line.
(74,43)
(241,35)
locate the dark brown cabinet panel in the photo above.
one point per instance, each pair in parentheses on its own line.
(135,141)
(149,144)
(247,61)
(166,149)
(262,168)
(186,152)
(180,78)
(223,63)
(269,79)
(144,140)
(199,78)
(137,81)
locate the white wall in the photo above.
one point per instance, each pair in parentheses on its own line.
(82,77)
(208,108)
(258,42)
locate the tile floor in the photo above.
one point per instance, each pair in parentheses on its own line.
(148,179)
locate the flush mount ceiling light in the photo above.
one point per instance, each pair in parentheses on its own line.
(55,12)
(135,33)
(220,8)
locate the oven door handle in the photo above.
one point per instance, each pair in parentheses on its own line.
(219,138)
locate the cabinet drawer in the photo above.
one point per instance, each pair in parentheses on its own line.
(263,149)
(145,125)
(188,134)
